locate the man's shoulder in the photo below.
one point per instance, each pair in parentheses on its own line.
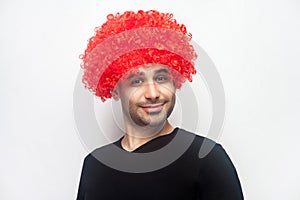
(203,145)
(198,138)
(101,151)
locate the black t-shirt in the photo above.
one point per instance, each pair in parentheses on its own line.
(188,177)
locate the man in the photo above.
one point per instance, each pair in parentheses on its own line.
(153,160)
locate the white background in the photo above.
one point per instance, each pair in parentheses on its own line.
(254,44)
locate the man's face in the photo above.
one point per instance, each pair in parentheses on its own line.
(147,95)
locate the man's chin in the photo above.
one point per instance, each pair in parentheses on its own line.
(156,119)
(153,125)
(153,114)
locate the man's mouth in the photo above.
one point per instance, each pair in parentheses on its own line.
(152,108)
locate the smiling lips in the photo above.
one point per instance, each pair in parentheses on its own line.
(151,108)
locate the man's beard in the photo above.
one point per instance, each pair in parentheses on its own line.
(141,118)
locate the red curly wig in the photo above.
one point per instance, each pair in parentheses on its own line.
(127,41)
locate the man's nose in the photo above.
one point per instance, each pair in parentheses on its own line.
(151,91)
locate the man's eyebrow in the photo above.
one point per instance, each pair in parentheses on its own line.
(134,74)
(161,71)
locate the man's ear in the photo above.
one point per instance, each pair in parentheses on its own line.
(115,93)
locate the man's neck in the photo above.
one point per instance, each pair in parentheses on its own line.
(137,136)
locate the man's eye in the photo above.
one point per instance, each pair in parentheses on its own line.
(136,82)
(162,78)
